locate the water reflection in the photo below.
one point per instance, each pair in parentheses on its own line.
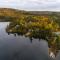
(34,52)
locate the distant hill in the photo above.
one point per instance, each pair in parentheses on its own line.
(15,12)
(9,14)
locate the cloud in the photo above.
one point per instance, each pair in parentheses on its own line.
(31,4)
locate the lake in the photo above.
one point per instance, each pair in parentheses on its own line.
(20,47)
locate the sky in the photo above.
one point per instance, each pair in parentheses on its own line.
(33,5)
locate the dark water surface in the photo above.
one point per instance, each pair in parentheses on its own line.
(21,48)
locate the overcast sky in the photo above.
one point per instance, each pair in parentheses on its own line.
(50,5)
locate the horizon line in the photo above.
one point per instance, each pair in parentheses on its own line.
(30,9)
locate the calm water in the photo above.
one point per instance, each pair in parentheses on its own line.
(21,48)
